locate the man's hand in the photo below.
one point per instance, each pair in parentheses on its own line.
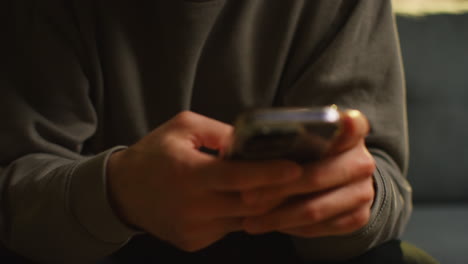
(164,185)
(333,197)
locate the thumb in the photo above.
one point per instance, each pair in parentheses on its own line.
(204,132)
(355,128)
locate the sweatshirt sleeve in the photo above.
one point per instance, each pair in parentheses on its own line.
(53,193)
(355,63)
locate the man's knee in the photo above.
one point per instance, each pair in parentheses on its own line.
(395,252)
(415,255)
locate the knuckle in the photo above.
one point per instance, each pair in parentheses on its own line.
(368,164)
(313,182)
(184,238)
(360,219)
(313,178)
(180,233)
(313,213)
(365,165)
(184,118)
(185,115)
(187,245)
(369,168)
(366,194)
(356,220)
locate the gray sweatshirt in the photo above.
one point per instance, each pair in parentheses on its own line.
(81,78)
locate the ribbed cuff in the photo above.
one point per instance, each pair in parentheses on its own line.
(341,248)
(89,201)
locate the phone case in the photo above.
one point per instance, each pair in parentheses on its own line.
(298,134)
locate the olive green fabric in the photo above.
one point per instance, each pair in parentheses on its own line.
(395,252)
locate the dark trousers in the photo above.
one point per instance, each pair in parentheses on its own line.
(142,250)
(237,250)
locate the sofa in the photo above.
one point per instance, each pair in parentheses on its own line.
(435,55)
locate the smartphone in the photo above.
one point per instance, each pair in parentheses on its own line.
(297,134)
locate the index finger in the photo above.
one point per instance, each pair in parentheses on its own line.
(226,175)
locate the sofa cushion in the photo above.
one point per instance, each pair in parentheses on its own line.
(435,55)
(441,231)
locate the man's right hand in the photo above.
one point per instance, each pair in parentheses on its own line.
(166,186)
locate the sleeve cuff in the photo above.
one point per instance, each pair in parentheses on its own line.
(89,202)
(340,248)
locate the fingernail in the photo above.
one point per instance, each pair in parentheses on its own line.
(354,113)
(362,123)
